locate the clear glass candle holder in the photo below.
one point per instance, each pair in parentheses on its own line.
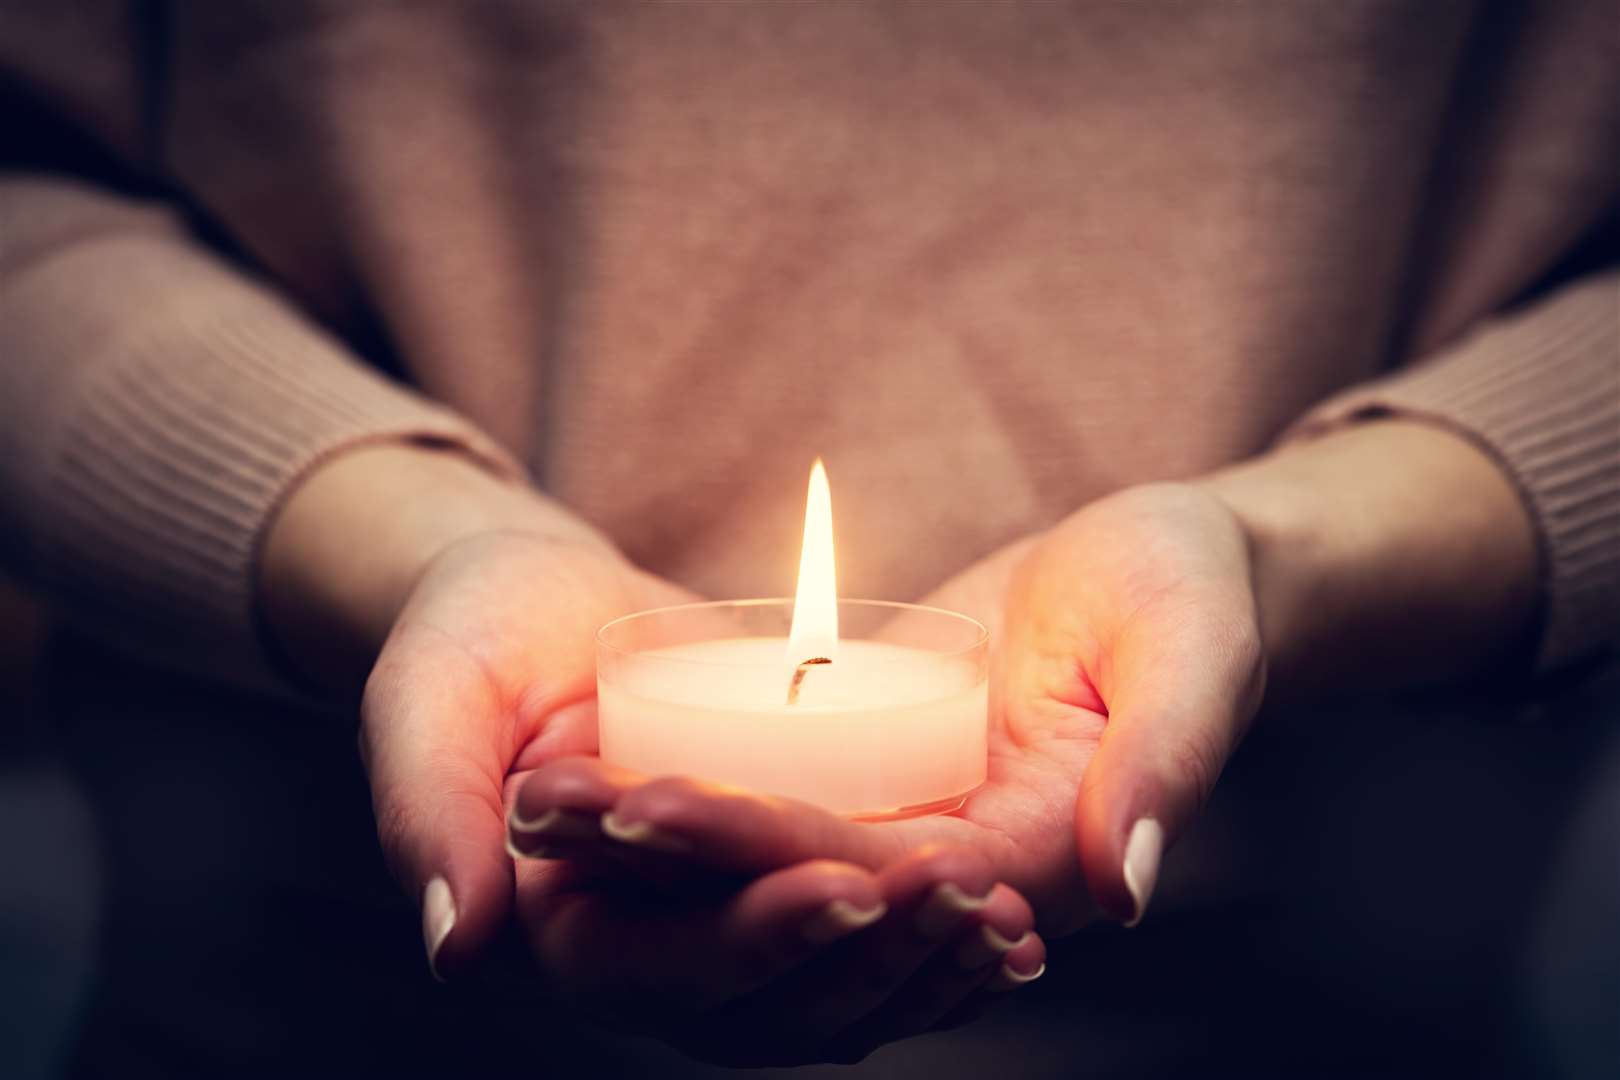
(894,725)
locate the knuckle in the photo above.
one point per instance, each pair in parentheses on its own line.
(1231,633)
(947,862)
(665,800)
(826,880)
(1197,758)
(1245,655)
(397,823)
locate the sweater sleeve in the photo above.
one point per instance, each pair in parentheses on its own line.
(1538,389)
(156,405)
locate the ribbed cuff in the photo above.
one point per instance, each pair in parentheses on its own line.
(180,438)
(1539,390)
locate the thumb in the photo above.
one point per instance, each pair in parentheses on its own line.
(432,731)
(1183,686)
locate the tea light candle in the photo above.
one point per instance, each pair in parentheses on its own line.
(886,719)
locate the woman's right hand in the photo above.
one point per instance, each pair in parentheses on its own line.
(473,604)
(488,670)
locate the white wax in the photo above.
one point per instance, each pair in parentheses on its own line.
(881,728)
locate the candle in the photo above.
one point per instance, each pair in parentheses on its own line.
(867,708)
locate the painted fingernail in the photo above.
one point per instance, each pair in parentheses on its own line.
(1007,979)
(1142,851)
(438,919)
(838,919)
(558,823)
(985,946)
(537,852)
(643,834)
(944,910)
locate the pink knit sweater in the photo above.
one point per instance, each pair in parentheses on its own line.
(990,260)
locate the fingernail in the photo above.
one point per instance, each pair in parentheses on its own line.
(838,919)
(556,822)
(985,946)
(1007,979)
(438,919)
(643,834)
(944,909)
(1142,851)
(539,852)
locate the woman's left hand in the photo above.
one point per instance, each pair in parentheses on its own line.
(1132,644)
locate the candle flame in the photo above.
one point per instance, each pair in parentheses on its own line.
(815,605)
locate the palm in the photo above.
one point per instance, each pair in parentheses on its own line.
(504,623)
(1078,614)
(1060,606)
(1039,748)
(526,607)
(1022,819)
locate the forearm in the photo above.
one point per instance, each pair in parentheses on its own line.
(156,406)
(1386,554)
(355,535)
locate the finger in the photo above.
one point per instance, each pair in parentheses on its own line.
(1002,932)
(1024,963)
(738,832)
(562,810)
(558,809)
(644,958)
(1184,685)
(569,731)
(435,769)
(934,897)
(1022,966)
(784,918)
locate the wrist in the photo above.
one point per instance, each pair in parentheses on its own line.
(353,537)
(1290,541)
(1385,554)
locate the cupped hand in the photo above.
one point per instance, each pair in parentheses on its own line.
(488,667)
(488,672)
(1127,664)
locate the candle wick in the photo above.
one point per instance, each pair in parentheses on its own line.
(798,677)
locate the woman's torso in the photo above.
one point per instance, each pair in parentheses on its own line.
(989,260)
